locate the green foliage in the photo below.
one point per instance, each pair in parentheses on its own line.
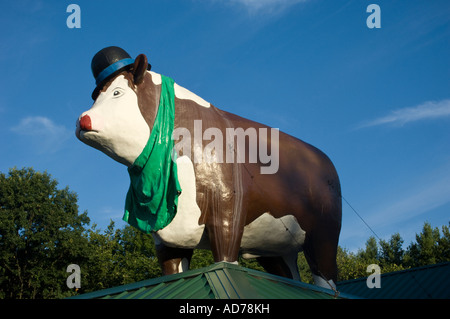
(118,257)
(201,258)
(303,269)
(392,251)
(42,232)
(350,265)
(429,248)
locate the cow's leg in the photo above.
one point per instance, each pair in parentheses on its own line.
(225,239)
(173,260)
(320,252)
(225,226)
(285,266)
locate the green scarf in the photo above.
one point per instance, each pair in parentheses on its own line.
(152,198)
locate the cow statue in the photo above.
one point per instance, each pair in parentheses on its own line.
(202,178)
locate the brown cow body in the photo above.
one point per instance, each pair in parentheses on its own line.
(240,210)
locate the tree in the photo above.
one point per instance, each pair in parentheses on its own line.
(444,244)
(392,251)
(137,255)
(201,258)
(101,270)
(117,257)
(303,269)
(370,254)
(41,233)
(425,250)
(350,265)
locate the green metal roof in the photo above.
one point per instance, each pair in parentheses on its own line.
(218,281)
(427,282)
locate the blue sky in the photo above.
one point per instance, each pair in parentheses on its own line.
(376,101)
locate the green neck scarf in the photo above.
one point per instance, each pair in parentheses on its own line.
(152,198)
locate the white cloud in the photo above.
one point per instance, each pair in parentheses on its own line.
(427,110)
(419,201)
(43,132)
(36,125)
(416,195)
(402,204)
(265,6)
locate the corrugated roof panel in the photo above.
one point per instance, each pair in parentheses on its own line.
(221,284)
(219,281)
(266,290)
(240,281)
(190,288)
(121,295)
(427,282)
(200,290)
(150,291)
(225,281)
(288,291)
(136,293)
(168,289)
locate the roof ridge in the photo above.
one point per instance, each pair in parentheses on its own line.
(223,280)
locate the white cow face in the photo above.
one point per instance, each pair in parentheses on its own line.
(114,124)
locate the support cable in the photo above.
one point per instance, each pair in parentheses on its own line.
(354,210)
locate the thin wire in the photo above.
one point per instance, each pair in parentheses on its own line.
(336,292)
(361,218)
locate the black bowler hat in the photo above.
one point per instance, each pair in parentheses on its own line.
(108,62)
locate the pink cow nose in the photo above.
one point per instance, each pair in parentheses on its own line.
(85,123)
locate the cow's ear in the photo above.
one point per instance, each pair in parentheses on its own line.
(139,68)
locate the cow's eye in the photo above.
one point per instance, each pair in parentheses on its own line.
(117,93)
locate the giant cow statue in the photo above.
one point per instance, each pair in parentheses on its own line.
(193,187)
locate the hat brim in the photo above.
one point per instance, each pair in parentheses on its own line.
(111,74)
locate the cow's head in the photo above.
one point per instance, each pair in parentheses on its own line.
(115,124)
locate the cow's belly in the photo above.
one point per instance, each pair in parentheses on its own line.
(184,230)
(265,236)
(270,236)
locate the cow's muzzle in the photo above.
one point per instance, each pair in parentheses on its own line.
(85,123)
